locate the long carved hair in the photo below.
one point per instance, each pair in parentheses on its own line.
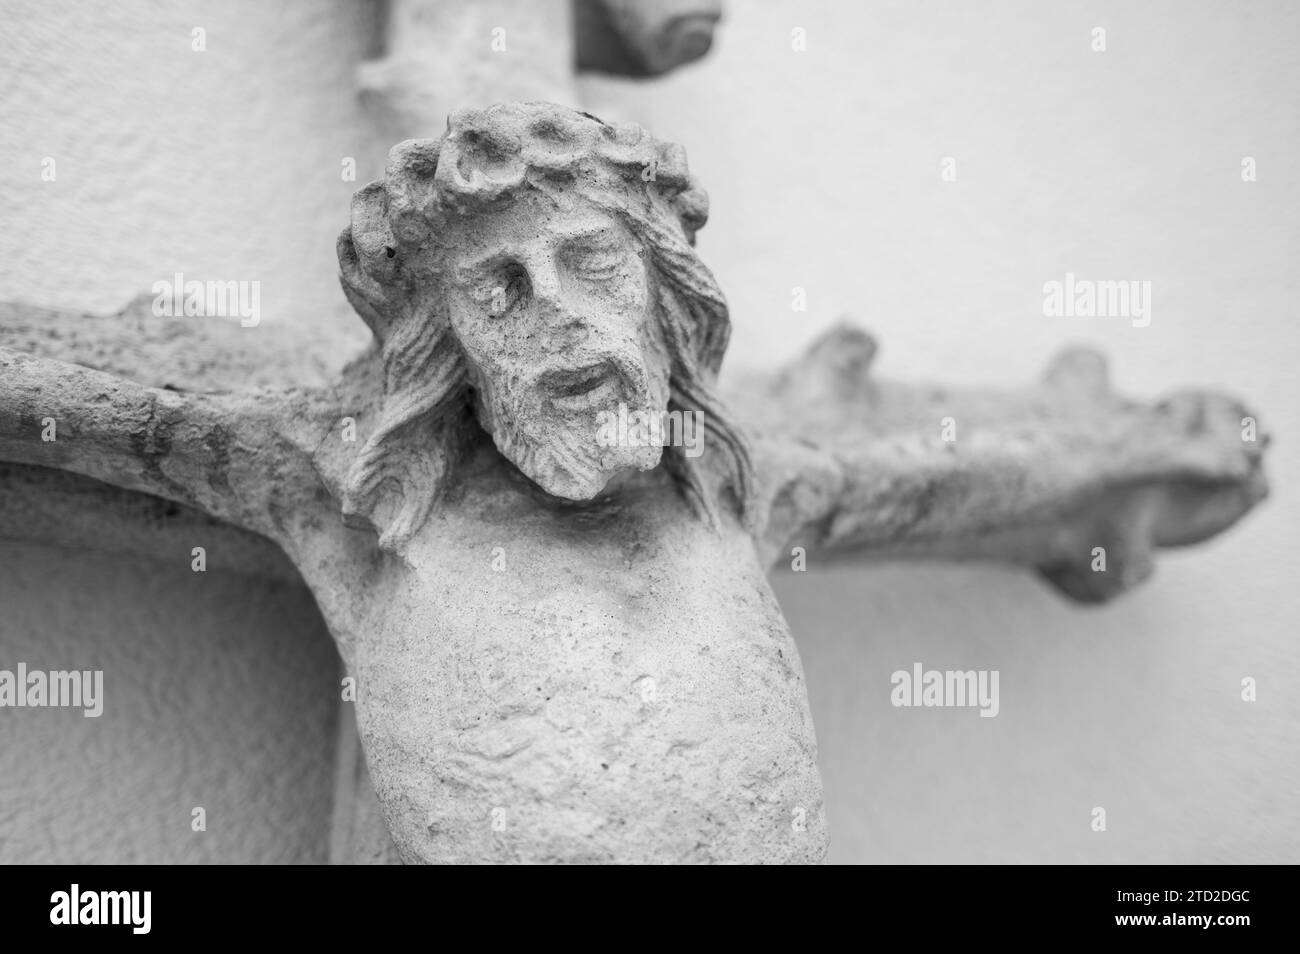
(391,273)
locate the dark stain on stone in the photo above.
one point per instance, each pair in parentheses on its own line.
(152,444)
(218,444)
(918,506)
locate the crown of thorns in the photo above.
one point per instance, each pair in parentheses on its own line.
(486,159)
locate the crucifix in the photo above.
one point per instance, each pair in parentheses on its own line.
(539,530)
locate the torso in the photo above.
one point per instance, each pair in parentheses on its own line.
(611,682)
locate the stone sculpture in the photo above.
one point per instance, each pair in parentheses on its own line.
(543,556)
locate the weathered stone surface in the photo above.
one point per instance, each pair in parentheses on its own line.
(566,648)
(525,271)
(1038,476)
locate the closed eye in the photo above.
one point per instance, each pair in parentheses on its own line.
(596,260)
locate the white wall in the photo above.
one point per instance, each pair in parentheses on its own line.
(824,173)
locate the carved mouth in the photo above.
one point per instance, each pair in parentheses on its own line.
(580,387)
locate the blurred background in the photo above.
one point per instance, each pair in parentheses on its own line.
(823,166)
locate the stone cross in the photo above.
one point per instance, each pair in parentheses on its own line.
(540,533)
(410,88)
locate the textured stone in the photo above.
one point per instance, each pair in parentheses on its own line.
(567,649)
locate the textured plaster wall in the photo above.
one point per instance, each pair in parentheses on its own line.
(824,173)
(219,692)
(224,164)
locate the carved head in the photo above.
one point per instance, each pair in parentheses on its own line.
(534,267)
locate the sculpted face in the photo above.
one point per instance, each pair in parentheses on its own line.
(553,307)
(526,258)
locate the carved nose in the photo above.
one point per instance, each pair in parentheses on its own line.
(547,292)
(565,325)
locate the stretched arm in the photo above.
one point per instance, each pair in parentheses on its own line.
(231,456)
(1041,477)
